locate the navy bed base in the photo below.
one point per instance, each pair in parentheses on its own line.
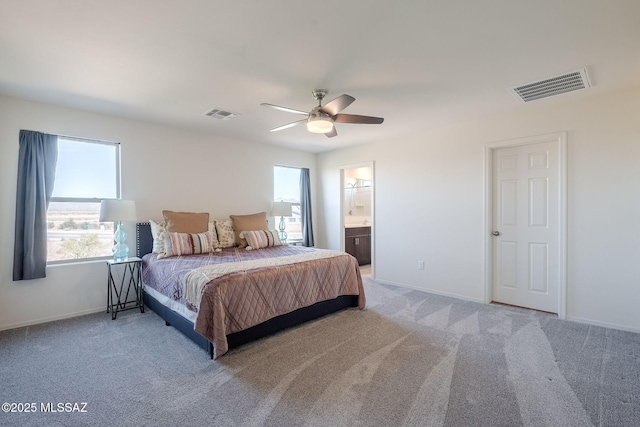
(144,245)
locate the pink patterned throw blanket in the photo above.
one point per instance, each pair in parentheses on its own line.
(239,289)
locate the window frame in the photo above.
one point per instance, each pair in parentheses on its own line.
(297,204)
(55,199)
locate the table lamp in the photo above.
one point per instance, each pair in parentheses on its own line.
(281,209)
(118,210)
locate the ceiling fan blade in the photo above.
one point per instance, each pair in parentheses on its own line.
(354,118)
(290,125)
(340,103)
(288,110)
(332,133)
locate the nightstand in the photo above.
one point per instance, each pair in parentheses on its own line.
(131,297)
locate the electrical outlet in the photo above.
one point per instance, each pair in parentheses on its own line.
(420,265)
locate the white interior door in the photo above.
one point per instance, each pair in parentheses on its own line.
(526,221)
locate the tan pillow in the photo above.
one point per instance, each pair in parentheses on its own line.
(186,222)
(242,223)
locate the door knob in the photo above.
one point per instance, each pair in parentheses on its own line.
(496,233)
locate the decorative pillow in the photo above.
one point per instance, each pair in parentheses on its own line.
(187,244)
(186,222)
(157,228)
(257,239)
(212,229)
(242,223)
(226,236)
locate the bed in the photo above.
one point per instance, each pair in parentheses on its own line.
(222,300)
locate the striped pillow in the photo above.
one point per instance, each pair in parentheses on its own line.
(176,244)
(261,239)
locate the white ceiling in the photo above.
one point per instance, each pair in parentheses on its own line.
(417,63)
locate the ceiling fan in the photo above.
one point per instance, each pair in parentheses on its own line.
(322,118)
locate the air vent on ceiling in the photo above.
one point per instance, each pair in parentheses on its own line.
(552,86)
(217,113)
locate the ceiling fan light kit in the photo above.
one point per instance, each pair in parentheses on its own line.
(319,122)
(321,119)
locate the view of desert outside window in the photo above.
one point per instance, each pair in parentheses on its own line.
(86,172)
(74,232)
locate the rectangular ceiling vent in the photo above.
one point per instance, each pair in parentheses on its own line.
(219,114)
(552,86)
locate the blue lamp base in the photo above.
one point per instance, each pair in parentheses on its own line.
(120,249)
(282,234)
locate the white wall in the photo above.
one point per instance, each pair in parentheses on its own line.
(429,200)
(429,203)
(162,168)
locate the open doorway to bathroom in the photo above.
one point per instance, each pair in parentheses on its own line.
(357,214)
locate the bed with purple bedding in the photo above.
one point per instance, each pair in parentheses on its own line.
(224,299)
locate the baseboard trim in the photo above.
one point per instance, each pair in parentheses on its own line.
(430,291)
(52,318)
(602,324)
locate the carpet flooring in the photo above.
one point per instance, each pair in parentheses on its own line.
(409,359)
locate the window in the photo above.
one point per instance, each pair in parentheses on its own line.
(87,171)
(286,188)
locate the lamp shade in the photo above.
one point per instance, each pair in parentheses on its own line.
(281,209)
(118,210)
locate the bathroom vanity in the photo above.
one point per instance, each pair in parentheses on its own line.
(357,242)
